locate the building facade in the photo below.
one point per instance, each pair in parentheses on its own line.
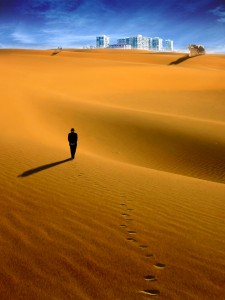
(168,45)
(102,41)
(125,41)
(120,46)
(136,42)
(156,44)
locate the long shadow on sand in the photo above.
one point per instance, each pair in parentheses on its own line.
(42,168)
(180,60)
(55,53)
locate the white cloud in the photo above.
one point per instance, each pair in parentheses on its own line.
(23,38)
(222,20)
(70,40)
(219,12)
(216,50)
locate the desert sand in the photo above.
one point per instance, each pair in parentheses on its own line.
(140,212)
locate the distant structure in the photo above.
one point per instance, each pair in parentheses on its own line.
(156,44)
(136,42)
(56,51)
(120,46)
(102,41)
(89,47)
(168,45)
(196,50)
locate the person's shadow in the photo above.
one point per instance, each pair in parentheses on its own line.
(42,168)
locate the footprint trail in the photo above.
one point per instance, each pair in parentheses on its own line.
(151,278)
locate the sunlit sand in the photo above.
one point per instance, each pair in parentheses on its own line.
(140,211)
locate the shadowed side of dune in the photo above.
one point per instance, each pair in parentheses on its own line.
(171,149)
(185,146)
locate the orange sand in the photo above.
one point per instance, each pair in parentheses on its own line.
(150,157)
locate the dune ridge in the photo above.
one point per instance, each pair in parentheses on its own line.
(140,211)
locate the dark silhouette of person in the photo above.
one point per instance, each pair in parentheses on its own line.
(72,138)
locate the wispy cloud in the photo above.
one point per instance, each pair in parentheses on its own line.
(23,38)
(219,12)
(54,38)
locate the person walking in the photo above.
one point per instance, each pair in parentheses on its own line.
(72,139)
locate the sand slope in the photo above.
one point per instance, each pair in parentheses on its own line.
(146,187)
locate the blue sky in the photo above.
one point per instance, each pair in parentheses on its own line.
(76,23)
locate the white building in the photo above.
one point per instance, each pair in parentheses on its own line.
(102,41)
(120,46)
(125,41)
(156,44)
(150,43)
(136,42)
(168,45)
(144,42)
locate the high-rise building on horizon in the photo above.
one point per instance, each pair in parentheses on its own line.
(102,41)
(136,42)
(144,42)
(156,44)
(168,45)
(150,44)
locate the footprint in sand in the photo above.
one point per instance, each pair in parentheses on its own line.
(160,266)
(131,239)
(80,174)
(150,292)
(149,255)
(130,209)
(129,219)
(123,225)
(150,278)
(125,215)
(123,204)
(131,232)
(143,246)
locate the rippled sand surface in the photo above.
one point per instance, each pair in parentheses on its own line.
(140,211)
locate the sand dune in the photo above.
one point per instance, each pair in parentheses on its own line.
(140,211)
